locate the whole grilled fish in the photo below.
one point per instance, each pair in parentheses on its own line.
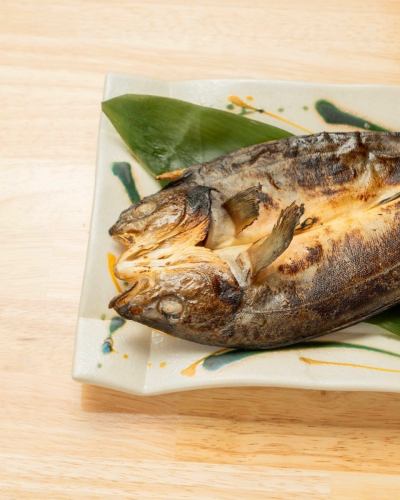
(269,245)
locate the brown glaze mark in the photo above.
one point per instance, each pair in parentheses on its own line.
(313,256)
(272,181)
(390,207)
(226,292)
(332,191)
(267,200)
(306,224)
(365,196)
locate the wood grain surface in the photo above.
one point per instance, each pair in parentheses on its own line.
(61,440)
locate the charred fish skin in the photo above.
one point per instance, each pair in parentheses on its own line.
(341,266)
(259,162)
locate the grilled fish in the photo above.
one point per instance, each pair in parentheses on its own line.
(267,246)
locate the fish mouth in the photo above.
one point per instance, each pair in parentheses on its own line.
(124,238)
(143,284)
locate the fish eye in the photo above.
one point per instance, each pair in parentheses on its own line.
(145,208)
(170,307)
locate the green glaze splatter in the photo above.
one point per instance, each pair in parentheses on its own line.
(122,170)
(116,322)
(230,106)
(332,114)
(108,344)
(103,317)
(281,110)
(217,361)
(305,108)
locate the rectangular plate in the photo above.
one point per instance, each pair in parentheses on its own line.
(149,362)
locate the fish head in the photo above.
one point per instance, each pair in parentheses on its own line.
(177,285)
(188,300)
(166,214)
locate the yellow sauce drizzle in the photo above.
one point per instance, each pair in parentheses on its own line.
(311,361)
(111,260)
(125,356)
(149,364)
(190,370)
(163,364)
(238,102)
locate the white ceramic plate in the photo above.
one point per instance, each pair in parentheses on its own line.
(148,362)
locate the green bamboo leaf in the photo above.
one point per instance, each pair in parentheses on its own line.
(167,134)
(389,320)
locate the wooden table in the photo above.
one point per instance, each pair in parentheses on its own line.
(61,440)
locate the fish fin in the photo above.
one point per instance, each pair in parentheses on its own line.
(264,251)
(172,175)
(243,207)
